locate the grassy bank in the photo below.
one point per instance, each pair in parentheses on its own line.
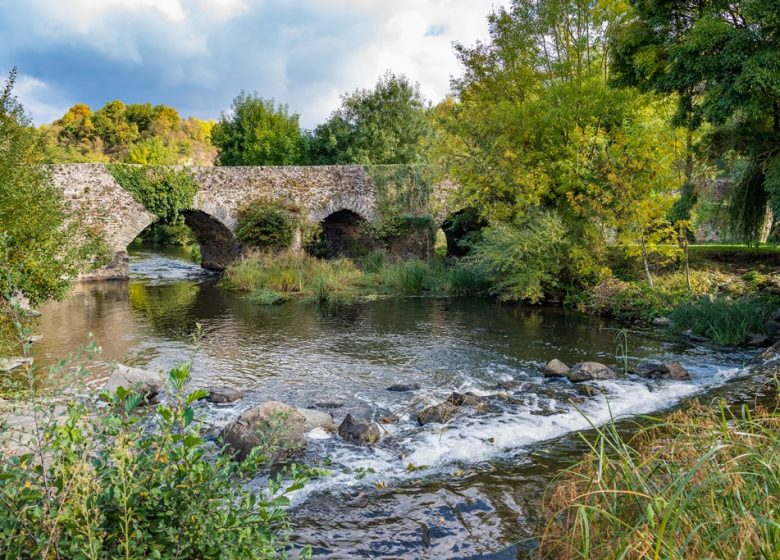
(704,483)
(723,303)
(270,278)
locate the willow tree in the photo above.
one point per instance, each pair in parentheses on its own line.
(535,123)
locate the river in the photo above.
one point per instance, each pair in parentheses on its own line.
(475,487)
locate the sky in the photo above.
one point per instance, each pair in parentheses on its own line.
(197,55)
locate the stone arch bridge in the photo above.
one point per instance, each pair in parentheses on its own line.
(319,191)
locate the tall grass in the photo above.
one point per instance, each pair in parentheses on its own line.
(705,483)
(271,278)
(724,321)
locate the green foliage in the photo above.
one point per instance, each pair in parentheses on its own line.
(258,132)
(42,244)
(135,133)
(523,261)
(403,199)
(386,125)
(702,483)
(266,226)
(724,321)
(635,300)
(164,191)
(114,485)
(720,58)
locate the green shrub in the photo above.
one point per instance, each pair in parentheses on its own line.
(106,483)
(724,321)
(164,191)
(43,245)
(701,484)
(266,226)
(524,261)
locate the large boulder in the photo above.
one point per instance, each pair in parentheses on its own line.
(316,419)
(556,368)
(359,431)
(146,383)
(667,370)
(591,371)
(438,413)
(285,423)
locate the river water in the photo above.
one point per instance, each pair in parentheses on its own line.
(470,489)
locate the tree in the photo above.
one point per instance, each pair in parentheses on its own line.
(722,58)
(41,248)
(386,125)
(256,131)
(534,124)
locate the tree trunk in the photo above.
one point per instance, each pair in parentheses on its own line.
(647,266)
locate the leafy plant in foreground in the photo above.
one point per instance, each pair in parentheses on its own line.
(88,482)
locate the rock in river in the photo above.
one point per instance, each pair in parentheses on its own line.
(223,395)
(440,413)
(357,430)
(285,422)
(404,387)
(465,399)
(147,383)
(667,370)
(556,368)
(317,419)
(590,371)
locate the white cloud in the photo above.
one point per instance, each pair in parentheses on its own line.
(198,54)
(33,94)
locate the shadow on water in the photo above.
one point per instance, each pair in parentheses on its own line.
(476,484)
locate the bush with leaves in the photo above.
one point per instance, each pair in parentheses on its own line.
(164,191)
(92,482)
(523,261)
(266,226)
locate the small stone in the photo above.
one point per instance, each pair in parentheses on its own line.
(770,354)
(438,413)
(467,399)
(10,364)
(329,404)
(589,371)
(507,385)
(588,390)
(556,368)
(772,328)
(224,395)
(694,337)
(661,322)
(667,370)
(758,341)
(404,387)
(359,431)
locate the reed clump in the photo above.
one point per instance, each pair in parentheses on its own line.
(703,483)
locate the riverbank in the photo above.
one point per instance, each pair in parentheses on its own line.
(700,483)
